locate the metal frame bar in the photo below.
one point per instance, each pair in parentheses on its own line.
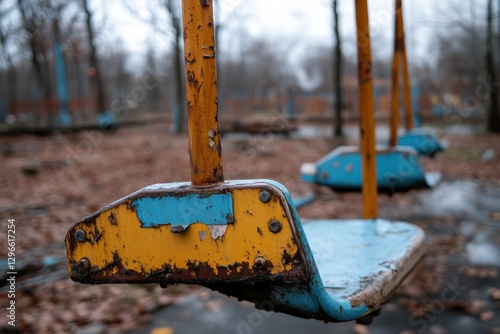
(366,111)
(201,91)
(399,54)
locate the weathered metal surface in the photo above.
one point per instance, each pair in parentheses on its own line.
(398,169)
(133,240)
(398,41)
(400,54)
(409,121)
(362,261)
(366,111)
(201,89)
(184,210)
(423,140)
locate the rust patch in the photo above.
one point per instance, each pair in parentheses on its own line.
(112,219)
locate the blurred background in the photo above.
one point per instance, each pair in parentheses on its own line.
(93,108)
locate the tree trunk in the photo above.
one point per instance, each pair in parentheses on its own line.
(493,123)
(11,72)
(42,81)
(93,60)
(179,104)
(337,74)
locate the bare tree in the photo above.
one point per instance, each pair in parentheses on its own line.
(93,58)
(493,123)
(161,11)
(34,24)
(179,106)
(337,73)
(4,41)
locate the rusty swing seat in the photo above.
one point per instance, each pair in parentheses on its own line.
(242,238)
(245,239)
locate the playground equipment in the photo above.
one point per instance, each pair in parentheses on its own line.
(244,238)
(423,140)
(398,167)
(64,118)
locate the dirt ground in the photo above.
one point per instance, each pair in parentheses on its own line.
(48,183)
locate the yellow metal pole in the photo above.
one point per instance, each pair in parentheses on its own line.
(393,139)
(409,124)
(366,111)
(201,89)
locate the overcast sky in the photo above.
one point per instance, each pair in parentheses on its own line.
(304,23)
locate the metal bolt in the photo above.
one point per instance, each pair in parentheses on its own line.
(230,219)
(80,235)
(84,266)
(274,226)
(259,262)
(265,196)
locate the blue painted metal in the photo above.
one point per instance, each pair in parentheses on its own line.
(64,116)
(415,94)
(354,264)
(377,91)
(398,169)
(176,116)
(423,140)
(304,200)
(107,120)
(184,210)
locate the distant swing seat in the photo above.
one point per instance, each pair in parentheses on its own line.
(398,169)
(245,239)
(424,141)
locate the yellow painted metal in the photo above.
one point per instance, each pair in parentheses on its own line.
(201,89)
(399,54)
(409,123)
(393,139)
(366,111)
(146,250)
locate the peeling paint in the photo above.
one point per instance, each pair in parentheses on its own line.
(217,231)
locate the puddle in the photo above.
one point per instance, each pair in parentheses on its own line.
(483,252)
(451,198)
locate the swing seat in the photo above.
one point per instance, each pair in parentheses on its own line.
(424,141)
(398,170)
(245,239)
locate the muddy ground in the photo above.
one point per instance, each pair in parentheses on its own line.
(48,183)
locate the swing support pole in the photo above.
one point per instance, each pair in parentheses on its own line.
(201,89)
(409,123)
(395,77)
(399,54)
(366,111)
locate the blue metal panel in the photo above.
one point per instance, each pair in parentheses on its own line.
(425,143)
(106,120)
(64,116)
(415,96)
(184,210)
(398,169)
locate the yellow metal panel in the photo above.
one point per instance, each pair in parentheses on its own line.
(118,242)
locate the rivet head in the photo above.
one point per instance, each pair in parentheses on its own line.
(265,196)
(275,226)
(230,218)
(84,266)
(259,262)
(80,235)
